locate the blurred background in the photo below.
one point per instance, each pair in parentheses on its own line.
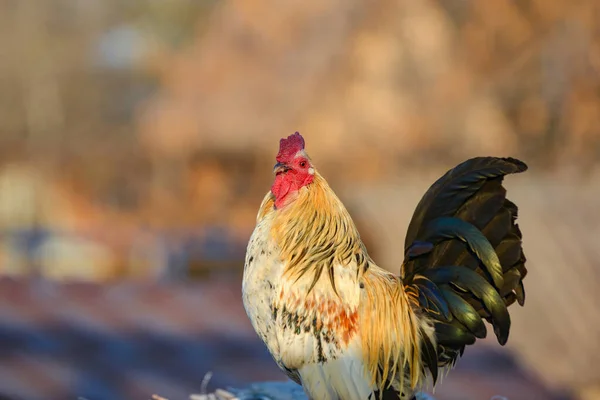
(137,141)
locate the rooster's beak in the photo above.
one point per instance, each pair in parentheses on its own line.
(280,168)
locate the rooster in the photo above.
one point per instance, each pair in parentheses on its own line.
(346,329)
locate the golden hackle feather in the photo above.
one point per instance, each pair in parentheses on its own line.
(265,207)
(315,233)
(390,331)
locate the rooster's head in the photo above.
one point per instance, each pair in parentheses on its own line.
(293,170)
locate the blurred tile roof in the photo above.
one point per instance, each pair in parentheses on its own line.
(131,340)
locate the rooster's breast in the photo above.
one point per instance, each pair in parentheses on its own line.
(261,282)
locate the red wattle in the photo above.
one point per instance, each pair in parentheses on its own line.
(288,183)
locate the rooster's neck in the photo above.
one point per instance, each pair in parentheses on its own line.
(316,232)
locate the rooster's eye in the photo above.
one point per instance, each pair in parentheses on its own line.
(303,164)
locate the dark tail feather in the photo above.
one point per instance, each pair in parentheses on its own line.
(464,256)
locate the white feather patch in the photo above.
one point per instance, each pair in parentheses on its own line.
(342,378)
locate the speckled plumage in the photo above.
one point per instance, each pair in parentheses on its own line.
(298,327)
(346,329)
(306,308)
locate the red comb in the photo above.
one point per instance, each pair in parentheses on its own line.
(289,146)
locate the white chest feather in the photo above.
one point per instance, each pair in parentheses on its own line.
(342,377)
(261,282)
